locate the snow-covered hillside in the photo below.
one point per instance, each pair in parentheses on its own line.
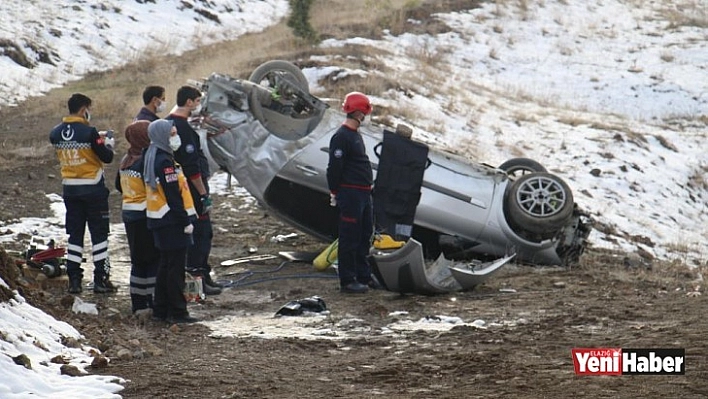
(611,96)
(44,44)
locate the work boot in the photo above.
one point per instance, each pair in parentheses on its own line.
(183,319)
(75,285)
(210,289)
(207,280)
(209,286)
(354,288)
(103,286)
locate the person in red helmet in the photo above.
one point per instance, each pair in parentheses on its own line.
(350,178)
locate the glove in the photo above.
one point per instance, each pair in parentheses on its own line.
(189,229)
(332,199)
(108,140)
(206,204)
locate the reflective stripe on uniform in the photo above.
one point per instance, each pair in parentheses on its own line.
(83,182)
(73,258)
(75,248)
(158,214)
(142,280)
(138,206)
(142,291)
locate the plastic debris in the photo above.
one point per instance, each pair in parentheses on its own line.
(313,304)
(281,237)
(80,306)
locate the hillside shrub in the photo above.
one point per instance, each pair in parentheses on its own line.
(299,20)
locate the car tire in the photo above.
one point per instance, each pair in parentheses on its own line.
(294,73)
(516,167)
(282,126)
(539,203)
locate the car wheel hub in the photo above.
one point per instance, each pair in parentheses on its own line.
(541,197)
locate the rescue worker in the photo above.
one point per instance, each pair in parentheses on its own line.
(154,103)
(170,213)
(350,177)
(144,257)
(82,153)
(196,168)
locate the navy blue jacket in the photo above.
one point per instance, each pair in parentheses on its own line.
(191,157)
(349,165)
(146,115)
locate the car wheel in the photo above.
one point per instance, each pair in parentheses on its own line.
(276,116)
(516,167)
(263,75)
(539,203)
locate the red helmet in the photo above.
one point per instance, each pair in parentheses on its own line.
(356,101)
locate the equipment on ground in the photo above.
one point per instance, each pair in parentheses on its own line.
(49,260)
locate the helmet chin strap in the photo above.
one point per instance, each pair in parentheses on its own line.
(352,123)
(363,116)
(354,118)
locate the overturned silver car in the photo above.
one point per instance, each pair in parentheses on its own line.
(273,136)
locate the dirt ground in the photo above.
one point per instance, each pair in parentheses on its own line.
(513,344)
(516,339)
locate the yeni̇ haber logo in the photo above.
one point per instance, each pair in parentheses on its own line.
(627,361)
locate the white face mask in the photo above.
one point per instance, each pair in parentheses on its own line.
(161,108)
(175,142)
(197,110)
(87,116)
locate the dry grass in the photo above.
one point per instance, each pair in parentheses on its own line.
(525,117)
(618,128)
(666,143)
(667,56)
(573,121)
(468,148)
(684,251)
(428,54)
(699,178)
(396,17)
(340,19)
(689,13)
(631,267)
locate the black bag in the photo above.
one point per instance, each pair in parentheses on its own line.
(399,177)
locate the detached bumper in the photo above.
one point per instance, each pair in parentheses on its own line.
(406,271)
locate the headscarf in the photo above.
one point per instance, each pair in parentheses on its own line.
(137,135)
(159,133)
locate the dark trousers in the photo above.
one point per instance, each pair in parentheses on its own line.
(356,226)
(144,260)
(80,211)
(169,287)
(198,252)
